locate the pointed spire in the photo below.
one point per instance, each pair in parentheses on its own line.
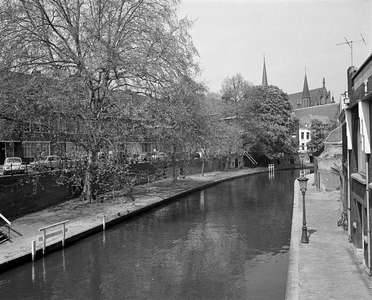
(305,92)
(264,76)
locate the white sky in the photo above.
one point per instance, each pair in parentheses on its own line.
(232,36)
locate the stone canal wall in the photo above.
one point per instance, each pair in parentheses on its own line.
(24,194)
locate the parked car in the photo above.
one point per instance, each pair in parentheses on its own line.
(144,157)
(160,156)
(49,162)
(195,155)
(13,165)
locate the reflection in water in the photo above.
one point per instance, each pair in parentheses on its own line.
(229,241)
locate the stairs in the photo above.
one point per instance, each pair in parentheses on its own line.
(4,229)
(3,237)
(250,158)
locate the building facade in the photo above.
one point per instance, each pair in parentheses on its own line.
(309,105)
(57,133)
(356,122)
(303,139)
(309,98)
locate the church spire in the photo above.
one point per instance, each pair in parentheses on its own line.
(305,92)
(264,76)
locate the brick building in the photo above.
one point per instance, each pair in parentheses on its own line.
(308,98)
(356,120)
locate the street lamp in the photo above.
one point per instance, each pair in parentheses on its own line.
(303,187)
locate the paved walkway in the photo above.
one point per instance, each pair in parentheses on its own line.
(327,267)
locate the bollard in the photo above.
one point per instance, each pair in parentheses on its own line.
(63,234)
(33,249)
(104,223)
(44,242)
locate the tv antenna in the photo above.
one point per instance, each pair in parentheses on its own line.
(350,43)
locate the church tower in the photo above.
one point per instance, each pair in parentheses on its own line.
(264,76)
(305,94)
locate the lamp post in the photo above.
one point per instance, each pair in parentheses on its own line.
(303,187)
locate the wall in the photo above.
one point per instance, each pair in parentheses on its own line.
(23,194)
(328,168)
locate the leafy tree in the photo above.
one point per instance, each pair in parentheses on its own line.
(92,50)
(236,87)
(319,132)
(269,123)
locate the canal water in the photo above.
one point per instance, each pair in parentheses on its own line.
(229,241)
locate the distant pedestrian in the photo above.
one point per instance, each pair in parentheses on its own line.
(182,172)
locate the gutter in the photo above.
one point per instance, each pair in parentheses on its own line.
(367,97)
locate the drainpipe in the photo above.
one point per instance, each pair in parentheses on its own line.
(368,213)
(348,196)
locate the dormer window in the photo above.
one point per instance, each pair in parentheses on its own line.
(26,127)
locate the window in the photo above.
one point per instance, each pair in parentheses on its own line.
(33,149)
(303,146)
(27,127)
(35,128)
(302,135)
(27,149)
(146,147)
(308,135)
(43,128)
(9,149)
(72,150)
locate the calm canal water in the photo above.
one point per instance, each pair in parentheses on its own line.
(229,241)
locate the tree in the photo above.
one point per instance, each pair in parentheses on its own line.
(236,87)
(224,128)
(92,49)
(269,123)
(319,132)
(180,123)
(21,96)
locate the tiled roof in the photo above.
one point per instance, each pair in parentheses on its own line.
(323,113)
(314,94)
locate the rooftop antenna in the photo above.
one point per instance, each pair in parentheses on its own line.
(350,43)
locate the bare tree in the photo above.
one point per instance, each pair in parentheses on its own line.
(93,48)
(236,87)
(181,124)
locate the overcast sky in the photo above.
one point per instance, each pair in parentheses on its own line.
(232,36)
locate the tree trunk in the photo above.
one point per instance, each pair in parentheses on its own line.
(228,160)
(89,190)
(174,164)
(203,166)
